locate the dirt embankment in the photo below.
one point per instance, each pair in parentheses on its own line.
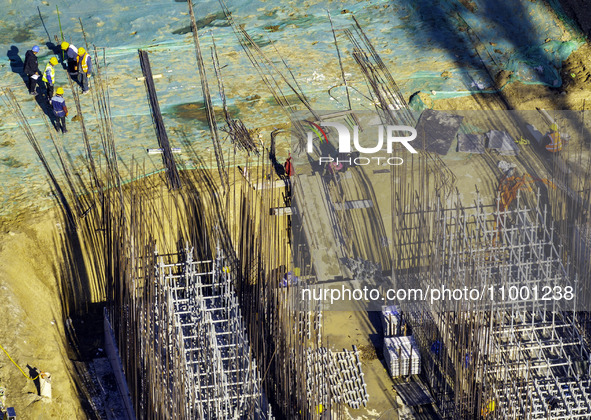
(574,94)
(32,330)
(580,12)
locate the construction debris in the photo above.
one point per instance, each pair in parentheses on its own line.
(537,136)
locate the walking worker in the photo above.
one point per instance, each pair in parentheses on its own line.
(555,144)
(72,54)
(31,68)
(49,77)
(84,69)
(60,110)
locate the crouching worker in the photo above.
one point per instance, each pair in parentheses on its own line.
(555,144)
(60,110)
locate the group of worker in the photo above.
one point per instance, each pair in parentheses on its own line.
(79,64)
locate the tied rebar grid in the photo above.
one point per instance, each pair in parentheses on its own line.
(221,379)
(502,359)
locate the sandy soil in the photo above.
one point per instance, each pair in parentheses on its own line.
(574,94)
(32,330)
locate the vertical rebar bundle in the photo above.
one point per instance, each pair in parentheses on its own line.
(168,158)
(213,128)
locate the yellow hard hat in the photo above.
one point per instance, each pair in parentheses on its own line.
(53,61)
(554,127)
(65,45)
(60,91)
(81,51)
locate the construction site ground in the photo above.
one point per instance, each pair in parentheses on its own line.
(31,260)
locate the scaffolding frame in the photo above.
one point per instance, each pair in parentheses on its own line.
(221,378)
(521,358)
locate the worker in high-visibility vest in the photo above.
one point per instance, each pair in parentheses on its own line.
(555,144)
(84,69)
(49,77)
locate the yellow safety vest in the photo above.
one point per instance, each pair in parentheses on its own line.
(49,66)
(84,64)
(555,142)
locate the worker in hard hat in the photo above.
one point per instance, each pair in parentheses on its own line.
(58,103)
(555,144)
(49,77)
(84,68)
(31,69)
(72,54)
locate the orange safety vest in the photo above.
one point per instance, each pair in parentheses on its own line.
(555,142)
(84,62)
